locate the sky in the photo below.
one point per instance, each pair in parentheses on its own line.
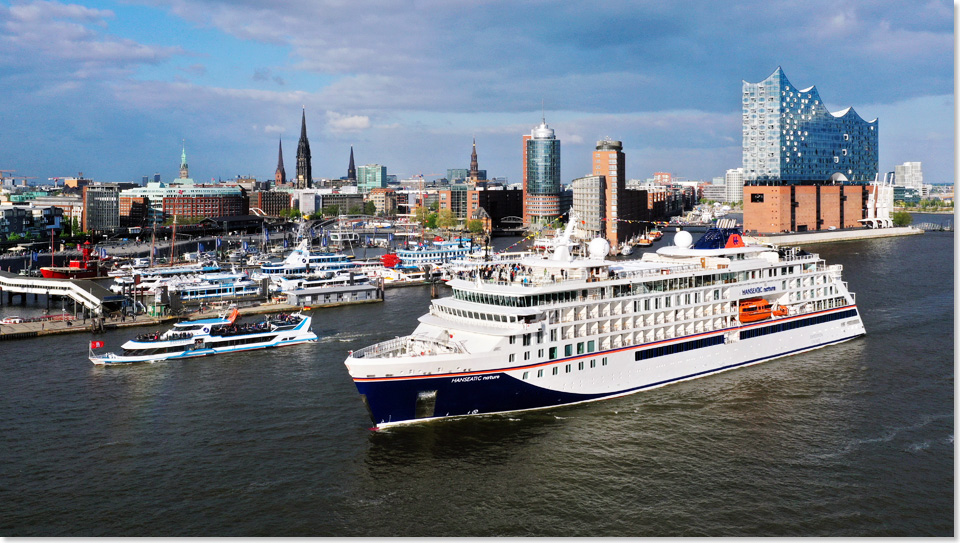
(114,88)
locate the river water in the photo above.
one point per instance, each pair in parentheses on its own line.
(855,439)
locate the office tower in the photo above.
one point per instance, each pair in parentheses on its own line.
(541,175)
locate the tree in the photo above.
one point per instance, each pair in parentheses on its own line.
(475,226)
(901,218)
(331,210)
(446,219)
(369,208)
(421,215)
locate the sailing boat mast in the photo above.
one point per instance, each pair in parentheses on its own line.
(173,241)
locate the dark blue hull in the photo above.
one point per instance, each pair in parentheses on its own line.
(393,401)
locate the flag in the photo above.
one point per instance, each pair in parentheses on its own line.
(323,241)
(36,255)
(286,243)
(155,251)
(96,344)
(218,242)
(199,247)
(266,234)
(312,233)
(390,236)
(244,245)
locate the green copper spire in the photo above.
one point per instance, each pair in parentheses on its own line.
(184,169)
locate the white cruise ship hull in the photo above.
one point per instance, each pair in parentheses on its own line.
(544,332)
(591,376)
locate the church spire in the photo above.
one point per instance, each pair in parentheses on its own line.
(281,176)
(474,167)
(304,170)
(184,169)
(351,168)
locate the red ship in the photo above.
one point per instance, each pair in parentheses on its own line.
(78,269)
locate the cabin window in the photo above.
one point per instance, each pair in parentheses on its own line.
(539,373)
(593,363)
(591,346)
(568,368)
(553,353)
(580,366)
(568,349)
(512,357)
(580,348)
(526,355)
(556,370)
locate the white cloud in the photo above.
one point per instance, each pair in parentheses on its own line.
(338,122)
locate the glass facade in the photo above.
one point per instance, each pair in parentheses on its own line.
(789,136)
(543,173)
(371,176)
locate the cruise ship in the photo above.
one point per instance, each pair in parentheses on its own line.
(556,330)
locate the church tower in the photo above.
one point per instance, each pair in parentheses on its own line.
(281,176)
(474,167)
(351,168)
(304,173)
(184,169)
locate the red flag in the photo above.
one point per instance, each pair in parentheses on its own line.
(96,344)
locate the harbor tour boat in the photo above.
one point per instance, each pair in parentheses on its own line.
(557,330)
(208,337)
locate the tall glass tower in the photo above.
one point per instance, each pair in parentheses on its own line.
(541,175)
(789,137)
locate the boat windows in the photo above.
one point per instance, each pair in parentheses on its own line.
(526,355)
(580,348)
(556,370)
(553,353)
(580,366)
(591,346)
(525,375)
(568,368)
(539,373)
(568,349)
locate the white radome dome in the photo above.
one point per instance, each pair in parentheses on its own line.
(683,239)
(598,248)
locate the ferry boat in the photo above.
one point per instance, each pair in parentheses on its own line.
(434,254)
(208,337)
(568,330)
(301,261)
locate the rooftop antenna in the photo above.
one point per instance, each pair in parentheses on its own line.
(543,115)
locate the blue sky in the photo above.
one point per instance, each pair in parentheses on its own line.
(111,88)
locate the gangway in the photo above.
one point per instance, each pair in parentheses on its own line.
(94,297)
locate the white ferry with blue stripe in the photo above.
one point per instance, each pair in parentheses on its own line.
(558,330)
(207,337)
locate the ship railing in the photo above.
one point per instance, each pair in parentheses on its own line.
(410,345)
(533,280)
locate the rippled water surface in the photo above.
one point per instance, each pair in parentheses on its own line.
(851,440)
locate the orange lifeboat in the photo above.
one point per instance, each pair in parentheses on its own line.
(758,309)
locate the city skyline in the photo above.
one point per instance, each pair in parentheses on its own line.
(113,89)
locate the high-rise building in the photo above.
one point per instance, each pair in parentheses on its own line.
(541,175)
(371,176)
(304,169)
(789,136)
(281,175)
(610,162)
(734,185)
(908,174)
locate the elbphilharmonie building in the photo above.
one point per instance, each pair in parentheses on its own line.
(789,137)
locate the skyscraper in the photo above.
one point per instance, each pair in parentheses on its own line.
(789,136)
(281,175)
(351,168)
(304,170)
(371,176)
(541,175)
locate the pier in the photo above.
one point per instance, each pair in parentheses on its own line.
(92,297)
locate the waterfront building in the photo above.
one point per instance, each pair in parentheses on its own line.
(589,204)
(371,176)
(101,207)
(188,199)
(733,182)
(304,169)
(714,192)
(280,177)
(385,201)
(541,175)
(270,202)
(662,178)
(800,208)
(908,174)
(790,137)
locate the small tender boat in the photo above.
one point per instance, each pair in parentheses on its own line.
(758,309)
(210,336)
